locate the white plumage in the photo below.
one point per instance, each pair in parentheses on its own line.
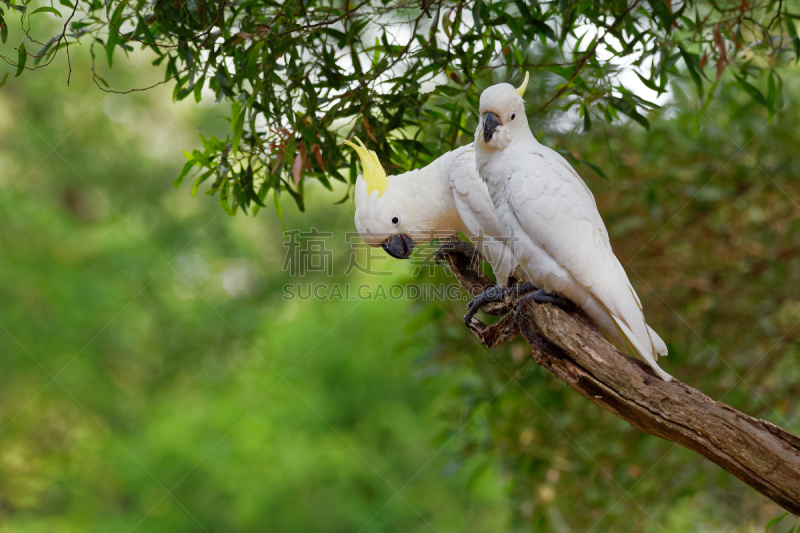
(443,198)
(550,221)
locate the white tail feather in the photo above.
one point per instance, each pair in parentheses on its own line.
(658,344)
(644,347)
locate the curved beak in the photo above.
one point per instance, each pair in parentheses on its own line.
(490,123)
(398,246)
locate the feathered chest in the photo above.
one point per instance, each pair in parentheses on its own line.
(496,172)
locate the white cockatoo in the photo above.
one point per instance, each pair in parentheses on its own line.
(550,222)
(439,200)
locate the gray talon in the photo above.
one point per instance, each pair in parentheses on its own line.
(542,297)
(521,289)
(492,294)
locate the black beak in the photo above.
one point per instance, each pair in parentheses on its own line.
(490,123)
(398,246)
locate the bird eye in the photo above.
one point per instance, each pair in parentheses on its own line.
(512,116)
(395,220)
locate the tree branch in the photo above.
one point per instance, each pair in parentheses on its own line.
(568,344)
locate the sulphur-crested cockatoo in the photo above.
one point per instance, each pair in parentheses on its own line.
(439,200)
(550,222)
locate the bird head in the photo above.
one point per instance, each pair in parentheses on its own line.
(502,113)
(397,212)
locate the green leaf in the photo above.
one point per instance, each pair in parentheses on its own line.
(568,155)
(247,184)
(47,9)
(252,60)
(568,73)
(237,125)
(323,179)
(298,198)
(752,91)
(186,168)
(4,79)
(200,179)
(476,16)
(693,65)
(793,34)
(775,521)
(111,43)
(650,84)
(377,55)
(224,201)
(543,29)
(198,90)
(43,53)
(3,30)
(113,33)
(587,121)
(630,110)
(22,58)
(662,12)
(595,168)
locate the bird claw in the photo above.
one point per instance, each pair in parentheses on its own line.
(540,296)
(520,290)
(512,296)
(490,295)
(494,294)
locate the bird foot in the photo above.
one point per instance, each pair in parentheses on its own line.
(542,297)
(495,294)
(492,294)
(520,290)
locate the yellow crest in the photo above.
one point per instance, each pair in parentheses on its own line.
(521,89)
(374,174)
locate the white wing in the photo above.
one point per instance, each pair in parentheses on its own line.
(478,214)
(556,209)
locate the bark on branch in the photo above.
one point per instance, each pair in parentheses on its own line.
(568,344)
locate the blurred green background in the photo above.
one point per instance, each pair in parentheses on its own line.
(154,377)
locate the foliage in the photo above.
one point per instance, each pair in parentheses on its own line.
(159,369)
(115,284)
(145,344)
(300,76)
